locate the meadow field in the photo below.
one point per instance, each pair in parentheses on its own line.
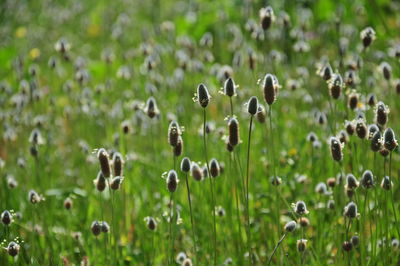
(198,132)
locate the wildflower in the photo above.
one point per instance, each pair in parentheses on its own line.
(376,142)
(261,114)
(151,108)
(151,223)
(105,228)
(349,125)
(229,87)
(336,149)
(361,128)
(100,182)
(68,203)
(214,168)
(386,70)
(355,240)
(117,164)
(196,172)
(180,257)
(116,182)
(386,184)
(347,246)
(13,249)
(335,86)
(233,126)
(185,165)
(352,182)
(6,218)
(174,132)
(34,197)
(381,114)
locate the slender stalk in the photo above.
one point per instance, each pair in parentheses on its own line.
(191,216)
(247,193)
(392,196)
(171,254)
(276,247)
(211,186)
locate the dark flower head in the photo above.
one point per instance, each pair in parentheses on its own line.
(389,139)
(367,179)
(185,165)
(172,181)
(202,95)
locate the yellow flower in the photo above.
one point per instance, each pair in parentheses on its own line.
(20,32)
(93,30)
(292,152)
(34,53)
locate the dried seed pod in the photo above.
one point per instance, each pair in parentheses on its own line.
(381,114)
(185,165)
(270,87)
(350,128)
(118,163)
(386,183)
(151,108)
(229,87)
(290,226)
(351,182)
(103,157)
(367,179)
(266,17)
(347,246)
(68,203)
(300,208)
(252,105)
(172,181)
(6,218)
(361,129)
(367,36)
(261,114)
(214,168)
(116,182)
(335,86)
(350,210)
(376,142)
(203,95)
(96,228)
(301,245)
(174,132)
(105,228)
(233,126)
(336,149)
(196,172)
(389,139)
(13,249)
(100,182)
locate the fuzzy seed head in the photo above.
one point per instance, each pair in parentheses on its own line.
(367,179)
(233,126)
(300,208)
(203,95)
(361,128)
(336,149)
(172,181)
(367,35)
(381,114)
(6,218)
(350,210)
(96,228)
(389,139)
(252,105)
(174,132)
(196,171)
(270,87)
(266,17)
(376,142)
(290,226)
(103,157)
(185,165)
(214,168)
(229,87)
(13,249)
(335,86)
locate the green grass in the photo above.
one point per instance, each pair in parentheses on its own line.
(76,120)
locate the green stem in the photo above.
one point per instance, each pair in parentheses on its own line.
(247,193)
(276,247)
